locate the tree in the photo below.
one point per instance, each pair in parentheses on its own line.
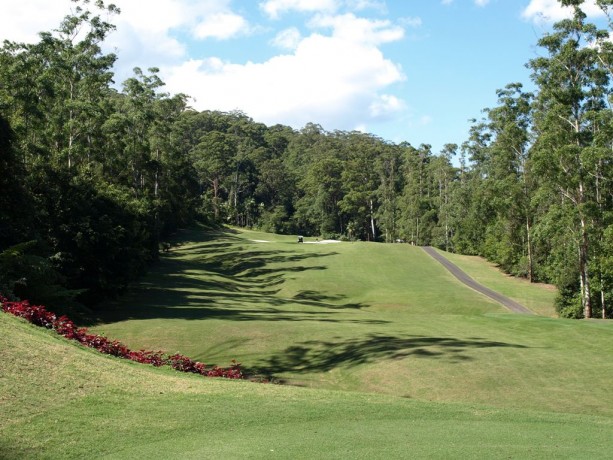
(15,204)
(568,117)
(77,76)
(212,157)
(507,173)
(418,216)
(360,182)
(388,166)
(443,174)
(91,176)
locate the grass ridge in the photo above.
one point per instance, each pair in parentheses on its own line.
(101,406)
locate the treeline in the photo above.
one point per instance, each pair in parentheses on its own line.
(94,179)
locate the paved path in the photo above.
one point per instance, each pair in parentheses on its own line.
(471,283)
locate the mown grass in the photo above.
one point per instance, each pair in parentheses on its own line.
(536,296)
(361,317)
(59,400)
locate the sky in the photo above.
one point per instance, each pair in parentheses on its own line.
(404,70)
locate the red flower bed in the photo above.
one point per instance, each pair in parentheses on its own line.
(64,326)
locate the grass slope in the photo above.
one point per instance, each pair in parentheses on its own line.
(59,400)
(362,317)
(538,297)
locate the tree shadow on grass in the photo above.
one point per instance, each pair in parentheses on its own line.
(316,298)
(225,278)
(267,314)
(323,356)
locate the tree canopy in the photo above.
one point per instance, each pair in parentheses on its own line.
(94,177)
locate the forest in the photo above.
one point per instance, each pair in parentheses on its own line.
(96,177)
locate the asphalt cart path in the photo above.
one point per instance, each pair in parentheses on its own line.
(471,283)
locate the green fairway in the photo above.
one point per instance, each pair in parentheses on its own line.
(538,297)
(361,317)
(59,400)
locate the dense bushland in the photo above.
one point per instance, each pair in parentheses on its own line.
(94,179)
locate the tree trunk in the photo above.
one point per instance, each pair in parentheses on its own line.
(584,269)
(156,184)
(372,221)
(529,244)
(603,301)
(215,193)
(70,135)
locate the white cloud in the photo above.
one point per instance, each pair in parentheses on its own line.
(145,35)
(145,29)
(551,10)
(221,26)
(275,8)
(330,80)
(385,105)
(360,5)
(138,28)
(359,30)
(287,38)
(203,18)
(336,76)
(158,16)
(21,21)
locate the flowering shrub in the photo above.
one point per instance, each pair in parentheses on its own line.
(155,358)
(65,327)
(181,363)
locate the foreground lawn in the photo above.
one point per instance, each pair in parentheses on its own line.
(361,317)
(59,400)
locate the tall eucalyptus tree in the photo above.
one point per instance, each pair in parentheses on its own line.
(417,213)
(444,176)
(54,89)
(508,176)
(389,168)
(569,115)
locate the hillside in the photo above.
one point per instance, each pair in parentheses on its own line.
(59,400)
(360,317)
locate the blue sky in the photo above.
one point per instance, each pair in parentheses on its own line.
(404,70)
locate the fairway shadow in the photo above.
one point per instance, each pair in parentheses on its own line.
(224,278)
(324,356)
(266,314)
(316,298)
